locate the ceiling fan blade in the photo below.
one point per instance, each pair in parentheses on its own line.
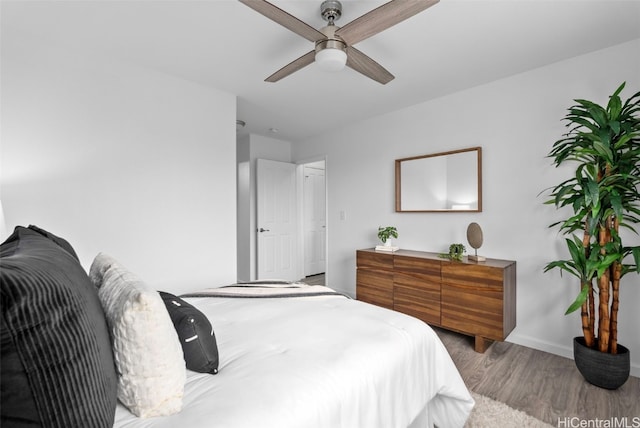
(381,18)
(365,65)
(285,19)
(292,67)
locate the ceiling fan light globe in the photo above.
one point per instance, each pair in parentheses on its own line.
(331,59)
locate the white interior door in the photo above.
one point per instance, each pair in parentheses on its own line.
(276,220)
(314,219)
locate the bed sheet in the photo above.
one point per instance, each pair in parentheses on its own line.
(323,361)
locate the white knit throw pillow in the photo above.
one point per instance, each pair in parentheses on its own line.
(146,349)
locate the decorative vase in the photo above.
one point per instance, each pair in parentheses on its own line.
(609,371)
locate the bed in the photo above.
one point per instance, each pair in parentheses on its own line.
(316,359)
(290,355)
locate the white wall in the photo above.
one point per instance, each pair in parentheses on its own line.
(121,160)
(515,120)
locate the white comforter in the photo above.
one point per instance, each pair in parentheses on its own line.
(325,362)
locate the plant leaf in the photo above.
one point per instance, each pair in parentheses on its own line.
(582,297)
(636,257)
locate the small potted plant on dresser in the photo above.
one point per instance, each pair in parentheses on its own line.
(385,234)
(604,145)
(456,252)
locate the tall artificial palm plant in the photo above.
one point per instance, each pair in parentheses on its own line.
(604,194)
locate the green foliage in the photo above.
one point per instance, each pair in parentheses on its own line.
(604,193)
(456,251)
(384,233)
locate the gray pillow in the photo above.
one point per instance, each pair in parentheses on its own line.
(56,359)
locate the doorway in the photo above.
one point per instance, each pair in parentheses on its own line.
(291,227)
(314,218)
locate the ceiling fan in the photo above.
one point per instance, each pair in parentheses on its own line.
(334,45)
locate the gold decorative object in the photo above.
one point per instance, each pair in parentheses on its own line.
(474,236)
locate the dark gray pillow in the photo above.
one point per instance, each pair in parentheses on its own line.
(195,332)
(56,358)
(58,240)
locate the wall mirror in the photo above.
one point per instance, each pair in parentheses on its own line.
(440,182)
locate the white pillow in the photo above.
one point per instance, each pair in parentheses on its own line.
(146,349)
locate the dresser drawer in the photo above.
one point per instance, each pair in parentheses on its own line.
(423,266)
(473,310)
(375,286)
(418,296)
(472,275)
(373,260)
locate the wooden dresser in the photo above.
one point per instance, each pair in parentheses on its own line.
(474,298)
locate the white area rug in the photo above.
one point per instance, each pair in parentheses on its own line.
(488,413)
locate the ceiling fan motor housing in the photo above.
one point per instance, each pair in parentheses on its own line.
(331,10)
(332,41)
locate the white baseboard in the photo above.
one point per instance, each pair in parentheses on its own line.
(552,348)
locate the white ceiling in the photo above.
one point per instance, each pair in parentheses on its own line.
(454,45)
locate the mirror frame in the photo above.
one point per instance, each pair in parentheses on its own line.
(398,165)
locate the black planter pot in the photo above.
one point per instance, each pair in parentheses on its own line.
(604,370)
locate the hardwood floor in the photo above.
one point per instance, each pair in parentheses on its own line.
(546,386)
